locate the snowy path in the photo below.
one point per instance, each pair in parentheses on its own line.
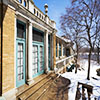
(81,77)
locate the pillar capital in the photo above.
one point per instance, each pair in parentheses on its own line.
(29,22)
(46,31)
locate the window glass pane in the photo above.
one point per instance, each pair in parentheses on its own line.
(20,61)
(20,30)
(18,55)
(20,1)
(67,52)
(63,51)
(24,3)
(18,70)
(22,69)
(41,58)
(35,60)
(34,11)
(59,49)
(37,13)
(21,54)
(37,36)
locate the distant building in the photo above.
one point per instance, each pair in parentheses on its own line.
(64,53)
(30,46)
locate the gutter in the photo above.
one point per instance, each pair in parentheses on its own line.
(1,46)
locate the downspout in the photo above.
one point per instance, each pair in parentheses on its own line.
(1,46)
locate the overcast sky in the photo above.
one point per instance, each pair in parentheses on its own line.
(56,8)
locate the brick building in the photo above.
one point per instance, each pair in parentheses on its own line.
(30,46)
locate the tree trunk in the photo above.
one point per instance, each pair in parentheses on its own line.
(76,59)
(89,62)
(98,55)
(76,66)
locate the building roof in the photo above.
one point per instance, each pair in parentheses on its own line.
(64,39)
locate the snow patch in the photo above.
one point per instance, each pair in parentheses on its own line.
(81,76)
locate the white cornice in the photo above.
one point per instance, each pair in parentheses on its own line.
(20,7)
(33,22)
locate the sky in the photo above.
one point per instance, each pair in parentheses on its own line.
(55,9)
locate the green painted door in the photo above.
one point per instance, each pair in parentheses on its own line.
(38,59)
(20,53)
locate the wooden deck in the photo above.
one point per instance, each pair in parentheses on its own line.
(27,92)
(50,87)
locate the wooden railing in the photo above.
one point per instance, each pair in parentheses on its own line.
(63,63)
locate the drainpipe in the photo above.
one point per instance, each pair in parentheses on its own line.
(1,46)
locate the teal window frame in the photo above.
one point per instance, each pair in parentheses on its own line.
(23,41)
(21,82)
(37,43)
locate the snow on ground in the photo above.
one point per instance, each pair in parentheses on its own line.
(81,76)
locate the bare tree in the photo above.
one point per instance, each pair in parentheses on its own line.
(98,33)
(98,48)
(83,14)
(72,31)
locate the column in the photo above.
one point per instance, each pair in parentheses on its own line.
(30,79)
(54,51)
(22,2)
(57,49)
(46,51)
